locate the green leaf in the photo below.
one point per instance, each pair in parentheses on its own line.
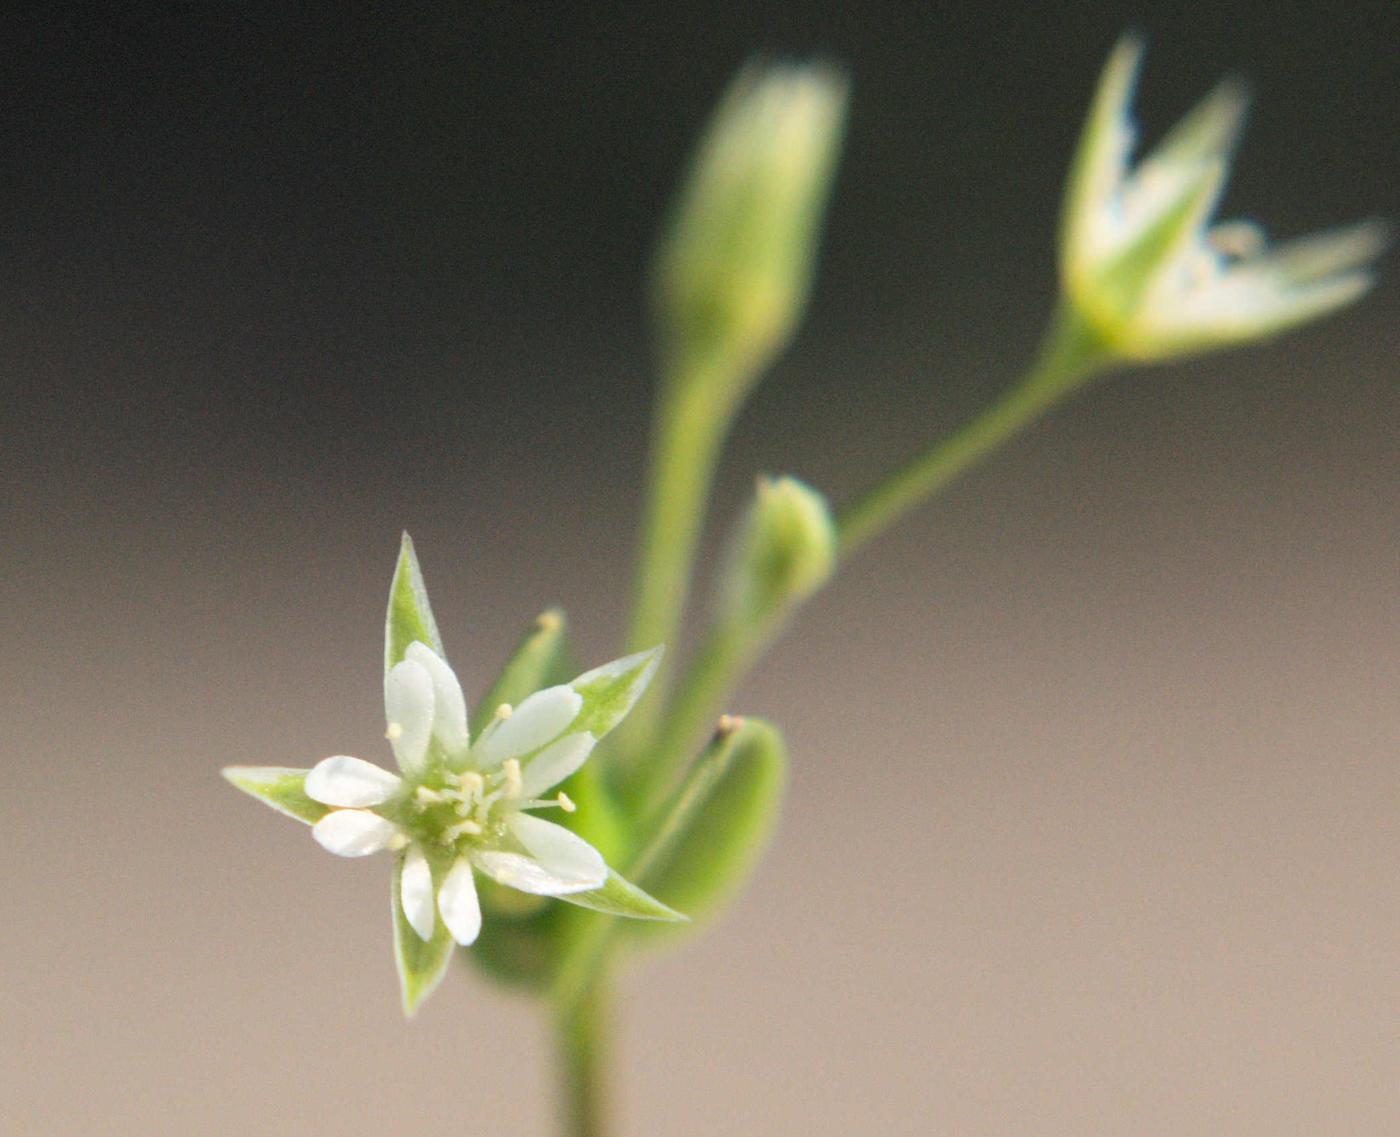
(610,691)
(535,664)
(409,617)
(280,787)
(620,897)
(719,821)
(421,963)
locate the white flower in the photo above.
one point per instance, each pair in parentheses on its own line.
(467,803)
(460,806)
(1139,262)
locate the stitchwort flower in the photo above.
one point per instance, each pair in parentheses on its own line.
(460,806)
(1142,267)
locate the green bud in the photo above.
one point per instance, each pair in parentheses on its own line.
(736,259)
(784,550)
(720,821)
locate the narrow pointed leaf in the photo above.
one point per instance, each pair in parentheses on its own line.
(536,663)
(719,822)
(280,787)
(610,691)
(620,897)
(421,963)
(409,616)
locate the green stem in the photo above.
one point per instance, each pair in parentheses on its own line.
(1069,356)
(582,1036)
(726,652)
(691,421)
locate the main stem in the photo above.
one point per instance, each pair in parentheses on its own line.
(696,406)
(582,1040)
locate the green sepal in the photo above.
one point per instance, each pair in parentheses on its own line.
(1135,268)
(719,821)
(421,963)
(610,691)
(539,661)
(409,617)
(620,897)
(280,787)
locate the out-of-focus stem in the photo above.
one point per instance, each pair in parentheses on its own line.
(1069,356)
(582,1037)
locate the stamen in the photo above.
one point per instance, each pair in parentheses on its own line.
(394,731)
(566,803)
(511,769)
(503,712)
(398,841)
(461,829)
(427,796)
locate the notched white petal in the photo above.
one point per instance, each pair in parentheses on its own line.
(416,893)
(350,782)
(408,707)
(540,719)
(353,832)
(457,901)
(449,705)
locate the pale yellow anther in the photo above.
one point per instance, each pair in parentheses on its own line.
(394,731)
(427,796)
(398,841)
(513,783)
(566,803)
(462,829)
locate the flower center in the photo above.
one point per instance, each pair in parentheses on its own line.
(472,808)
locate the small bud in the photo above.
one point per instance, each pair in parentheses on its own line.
(784,551)
(736,259)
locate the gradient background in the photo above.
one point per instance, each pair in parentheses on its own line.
(1092,828)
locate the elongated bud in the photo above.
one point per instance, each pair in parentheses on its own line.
(736,259)
(784,551)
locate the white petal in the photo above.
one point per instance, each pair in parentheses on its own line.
(556,762)
(416,893)
(350,782)
(559,862)
(353,832)
(408,707)
(539,719)
(461,911)
(449,707)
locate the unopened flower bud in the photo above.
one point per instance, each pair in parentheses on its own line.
(784,551)
(736,258)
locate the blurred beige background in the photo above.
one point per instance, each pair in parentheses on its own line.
(1092,825)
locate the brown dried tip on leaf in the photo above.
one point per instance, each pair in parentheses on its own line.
(727,725)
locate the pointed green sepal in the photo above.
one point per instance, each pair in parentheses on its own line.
(280,787)
(610,691)
(409,617)
(620,897)
(539,661)
(421,963)
(720,820)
